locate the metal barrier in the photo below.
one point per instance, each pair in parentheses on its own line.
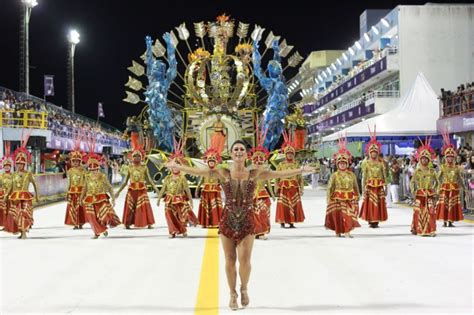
(469,195)
(23,119)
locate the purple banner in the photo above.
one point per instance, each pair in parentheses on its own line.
(458,123)
(61,143)
(349,115)
(359,78)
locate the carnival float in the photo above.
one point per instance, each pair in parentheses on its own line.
(214,93)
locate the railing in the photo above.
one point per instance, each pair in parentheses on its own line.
(357,102)
(386,52)
(23,119)
(457,104)
(22,97)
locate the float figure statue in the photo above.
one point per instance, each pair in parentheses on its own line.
(277,103)
(159,81)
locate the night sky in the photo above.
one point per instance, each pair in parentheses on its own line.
(112,34)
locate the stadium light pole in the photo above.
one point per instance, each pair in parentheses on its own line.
(28,6)
(73,39)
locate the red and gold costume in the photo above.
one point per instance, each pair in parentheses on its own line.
(261,201)
(99,210)
(137,210)
(5,187)
(342,195)
(210,206)
(450,179)
(20,213)
(75,214)
(178,199)
(289,208)
(178,211)
(374,206)
(423,186)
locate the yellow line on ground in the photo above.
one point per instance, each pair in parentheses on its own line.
(468,221)
(208,294)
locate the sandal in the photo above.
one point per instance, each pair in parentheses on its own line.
(244,298)
(233,301)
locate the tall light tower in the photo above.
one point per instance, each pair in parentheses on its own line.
(28,6)
(73,39)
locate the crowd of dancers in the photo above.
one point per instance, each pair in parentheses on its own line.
(91,198)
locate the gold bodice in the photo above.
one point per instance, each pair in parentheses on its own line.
(6,181)
(21,181)
(285,165)
(96,183)
(344,181)
(424,178)
(137,173)
(259,185)
(374,170)
(76,176)
(210,180)
(175,185)
(449,174)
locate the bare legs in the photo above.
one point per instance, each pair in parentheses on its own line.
(242,252)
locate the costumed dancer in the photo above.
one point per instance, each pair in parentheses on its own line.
(178,199)
(289,208)
(210,206)
(20,213)
(342,195)
(75,214)
(97,205)
(259,156)
(6,183)
(423,186)
(374,206)
(137,210)
(449,208)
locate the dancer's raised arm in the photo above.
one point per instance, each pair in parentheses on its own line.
(205,171)
(269,174)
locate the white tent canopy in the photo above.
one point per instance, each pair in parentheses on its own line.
(415,114)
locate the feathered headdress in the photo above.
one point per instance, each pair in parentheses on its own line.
(343,155)
(448,148)
(425,150)
(373,144)
(7,158)
(289,143)
(92,159)
(178,147)
(137,147)
(259,149)
(76,153)
(21,154)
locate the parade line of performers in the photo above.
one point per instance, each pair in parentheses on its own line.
(91,199)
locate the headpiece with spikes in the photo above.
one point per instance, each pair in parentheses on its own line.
(448,148)
(7,158)
(212,155)
(343,155)
(373,144)
(425,150)
(93,160)
(76,153)
(137,147)
(21,154)
(288,144)
(259,149)
(178,147)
